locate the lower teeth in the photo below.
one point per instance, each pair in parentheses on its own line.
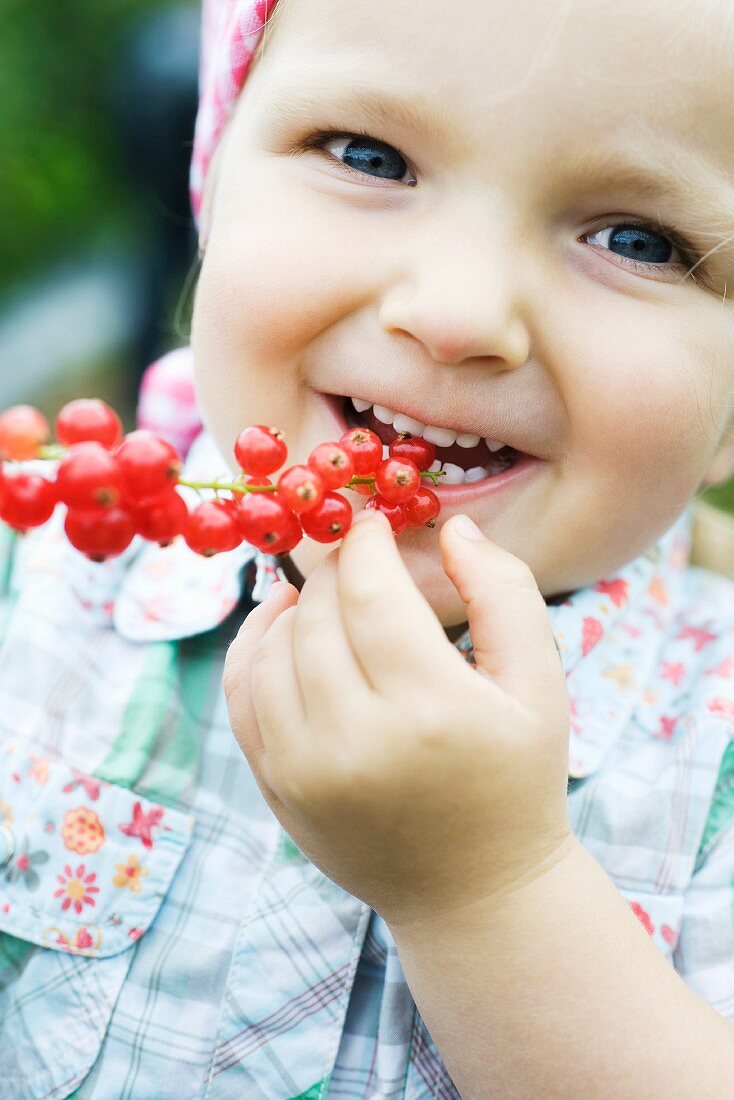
(456,475)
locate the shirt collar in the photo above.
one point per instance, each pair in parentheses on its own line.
(608,634)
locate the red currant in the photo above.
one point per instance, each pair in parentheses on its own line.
(268,523)
(88,419)
(260,450)
(28,500)
(290,536)
(23,429)
(211,529)
(148,465)
(364,448)
(333,463)
(363,490)
(394,512)
(397,479)
(232,504)
(301,487)
(88,477)
(160,519)
(100,535)
(422,508)
(329,520)
(416,449)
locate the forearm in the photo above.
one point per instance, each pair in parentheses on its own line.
(558,992)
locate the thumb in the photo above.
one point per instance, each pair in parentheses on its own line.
(508,620)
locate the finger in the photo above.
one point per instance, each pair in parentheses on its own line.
(332,683)
(394,632)
(237,669)
(508,619)
(276,692)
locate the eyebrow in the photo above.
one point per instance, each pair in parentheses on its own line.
(698,191)
(294,104)
(691,184)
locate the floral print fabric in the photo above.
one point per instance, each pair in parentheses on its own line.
(90,861)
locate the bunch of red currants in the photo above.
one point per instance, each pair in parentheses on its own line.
(115,487)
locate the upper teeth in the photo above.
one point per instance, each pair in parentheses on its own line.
(441,437)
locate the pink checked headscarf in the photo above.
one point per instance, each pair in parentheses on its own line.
(230,32)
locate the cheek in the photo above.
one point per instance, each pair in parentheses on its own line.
(644,413)
(278,270)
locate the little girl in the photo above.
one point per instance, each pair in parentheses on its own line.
(434,860)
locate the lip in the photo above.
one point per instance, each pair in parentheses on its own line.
(449,495)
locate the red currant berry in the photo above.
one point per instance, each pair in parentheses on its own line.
(100,535)
(28,500)
(364,448)
(23,429)
(422,508)
(268,523)
(363,490)
(333,463)
(211,529)
(394,512)
(160,519)
(88,477)
(416,449)
(88,419)
(257,481)
(148,465)
(301,487)
(397,479)
(260,450)
(329,520)
(290,536)
(232,504)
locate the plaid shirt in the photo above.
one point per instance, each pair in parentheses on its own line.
(162,937)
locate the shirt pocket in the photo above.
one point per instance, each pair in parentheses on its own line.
(84,867)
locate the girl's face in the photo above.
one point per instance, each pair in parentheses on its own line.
(505,254)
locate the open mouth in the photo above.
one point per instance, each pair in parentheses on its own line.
(463,464)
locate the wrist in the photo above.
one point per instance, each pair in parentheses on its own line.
(513,894)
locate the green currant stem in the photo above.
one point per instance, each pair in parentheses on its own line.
(433,474)
(230,488)
(238,487)
(52,451)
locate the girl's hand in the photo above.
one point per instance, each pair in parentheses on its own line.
(413,780)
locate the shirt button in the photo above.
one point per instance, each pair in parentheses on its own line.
(7,845)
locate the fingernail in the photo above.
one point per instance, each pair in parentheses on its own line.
(366,513)
(468,529)
(274,588)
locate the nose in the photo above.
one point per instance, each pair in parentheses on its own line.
(460,300)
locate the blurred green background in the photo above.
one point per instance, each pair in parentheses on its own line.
(97,249)
(97,102)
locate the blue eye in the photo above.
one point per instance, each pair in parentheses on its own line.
(365,155)
(639,244)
